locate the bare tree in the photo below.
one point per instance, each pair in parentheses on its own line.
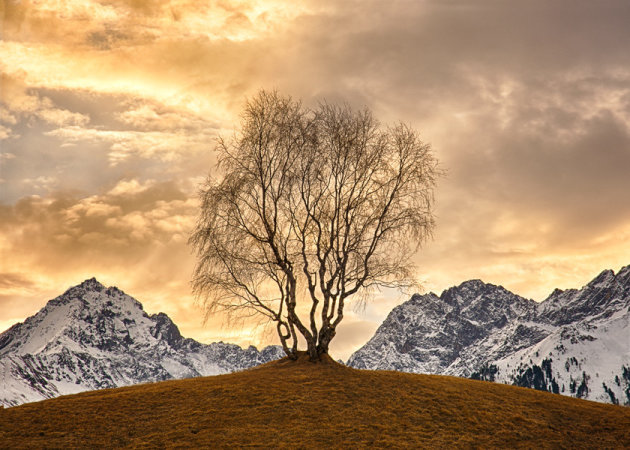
(314,206)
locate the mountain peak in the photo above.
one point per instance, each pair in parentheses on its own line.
(92,292)
(605,277)
(89,285)
(623,276)
(475,286)
(92,284)
(473,291)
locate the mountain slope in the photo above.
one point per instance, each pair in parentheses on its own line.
(324,405)
(574,338)
(93,337)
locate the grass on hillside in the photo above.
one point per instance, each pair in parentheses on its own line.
(301,404)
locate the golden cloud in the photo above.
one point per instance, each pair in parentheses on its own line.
(167,51)
(123,145)
(5,133)
(17,99)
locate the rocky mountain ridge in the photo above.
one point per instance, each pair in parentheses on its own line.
(93,337)
(574,338)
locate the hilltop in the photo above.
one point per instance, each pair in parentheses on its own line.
(301,404)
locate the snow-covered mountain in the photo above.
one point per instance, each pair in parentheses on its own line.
(93,337)
(576,342)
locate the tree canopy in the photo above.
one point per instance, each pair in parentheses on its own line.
(311,206)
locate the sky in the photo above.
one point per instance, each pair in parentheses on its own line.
(110,109)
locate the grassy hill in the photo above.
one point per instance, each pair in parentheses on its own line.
(301,404)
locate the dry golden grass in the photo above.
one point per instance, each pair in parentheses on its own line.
(301,404)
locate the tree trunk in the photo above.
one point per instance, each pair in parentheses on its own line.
(326,335)
(312,349)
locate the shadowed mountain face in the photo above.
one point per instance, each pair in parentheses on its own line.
(429,334)
(93,337)
(574,338)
